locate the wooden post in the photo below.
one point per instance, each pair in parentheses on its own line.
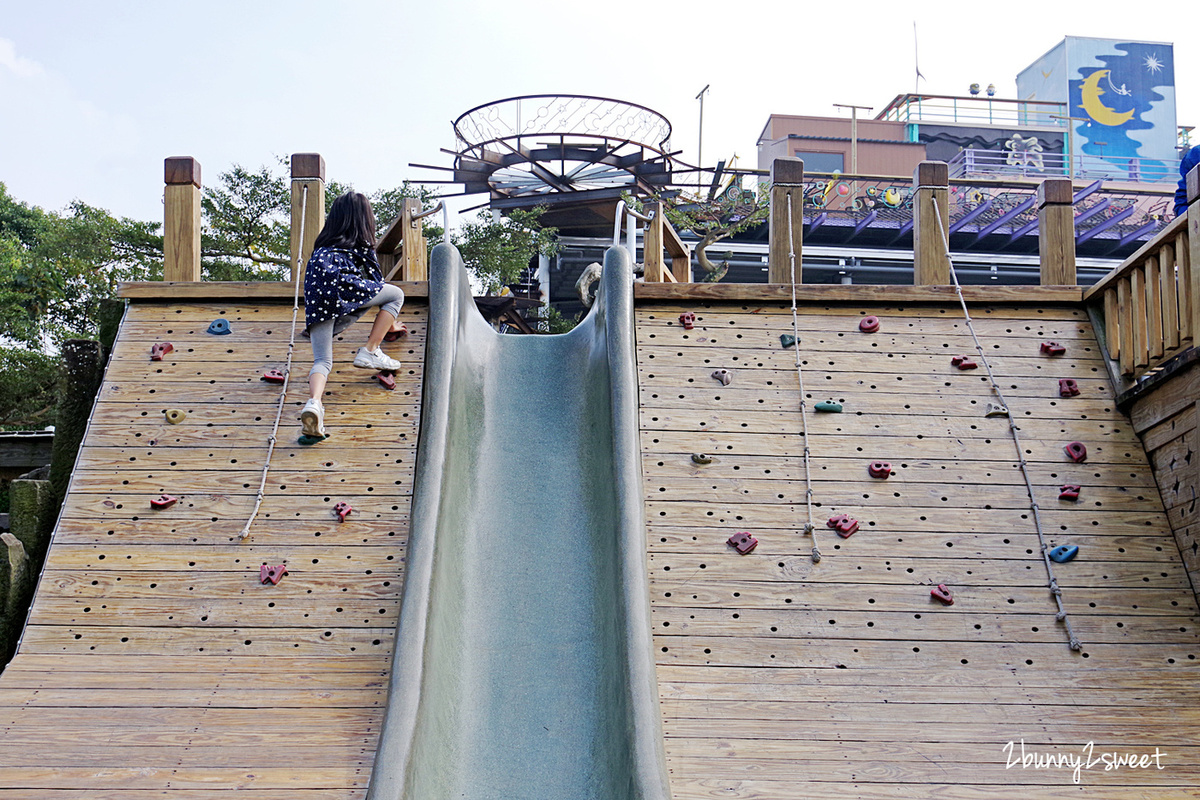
(1189,261)
(308,171)
(414,254)
(787,181)
(652,246)
(1056,231)
(931,182)
(181,219)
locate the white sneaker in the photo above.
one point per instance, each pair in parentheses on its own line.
(313,418)
(376,360)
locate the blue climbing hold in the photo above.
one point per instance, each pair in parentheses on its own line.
(829,406)
(1064,553)
(219,327)
(787,340)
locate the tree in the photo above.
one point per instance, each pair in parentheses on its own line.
(496,252)
(731,212)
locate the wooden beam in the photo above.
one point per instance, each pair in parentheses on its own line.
(652,246)
(250,291)
(787,190)
(857,293)
(414,256)
(1168,274)
(1154,326)
(308,213)
(931,199)
(181,219)
(1056,232)
(1192,320)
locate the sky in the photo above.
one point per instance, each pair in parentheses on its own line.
(94,95)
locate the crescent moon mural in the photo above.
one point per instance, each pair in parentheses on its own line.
(1091,93)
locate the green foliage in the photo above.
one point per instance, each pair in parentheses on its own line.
(246,234)
(497,252)
(556,322)
(56,268)
(27,389)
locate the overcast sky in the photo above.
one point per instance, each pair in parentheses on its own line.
(94,95)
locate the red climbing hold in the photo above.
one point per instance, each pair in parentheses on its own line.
(1067,387)
(868,324)
(940,592)
(688,320)
(163,501)
(159,350)
(879,469)
(1076,452)
(844,524)
(964,362)
(1069,491)
(744,542)
(342,510)
(386,379)
(273,376)
(271,575)
(1053,348)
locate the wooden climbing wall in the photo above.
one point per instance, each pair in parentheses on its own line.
(155,663)
(781,678)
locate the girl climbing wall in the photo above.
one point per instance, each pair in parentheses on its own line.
(341,281)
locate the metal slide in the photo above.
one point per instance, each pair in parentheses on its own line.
(523,666)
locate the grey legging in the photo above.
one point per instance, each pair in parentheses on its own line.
(390,297)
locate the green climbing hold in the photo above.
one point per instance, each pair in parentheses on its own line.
(830,406)
(787,340)
(311,440)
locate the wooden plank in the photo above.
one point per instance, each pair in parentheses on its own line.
(1125,325)
(1154,314)
(1112,324)
(1170,294)
(1189,292)
(264,642)
(230,291)
(645,293)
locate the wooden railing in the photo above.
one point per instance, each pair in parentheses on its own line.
(661,235)
(1148,303)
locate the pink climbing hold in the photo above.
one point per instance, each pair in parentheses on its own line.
(163,501)
(273,376)
(743,541)
(386,379)
(964,362)
(342,510)
(1067,387)
(868,324)
(940,592)
(159,350)
(1076,451)
(1053,348)
(1069,491)
(688,320)
(879,469)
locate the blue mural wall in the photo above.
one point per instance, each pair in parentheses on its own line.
(1120,96)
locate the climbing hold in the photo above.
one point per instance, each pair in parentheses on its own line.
(1069,491)
(271,575)
(744,542)
(163,501)
(787,340)
(219,326)
(688,320)
(1067,387)
(273,376)
(701,458)
(308,441)
(392,336)
(879,469)
(996,410)
(174,415)
(940,592)
(157,351)
(723,375)
(1076,452)
(387,379)
(964,362)
(868,324)
(1064,553)
(342,510)
(844,524)
(830,406)
(1053,348)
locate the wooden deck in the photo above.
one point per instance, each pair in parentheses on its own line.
(781,678)
(155,663)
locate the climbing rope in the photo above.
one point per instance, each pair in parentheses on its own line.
(809,527)
(287,370)
(1061,616)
